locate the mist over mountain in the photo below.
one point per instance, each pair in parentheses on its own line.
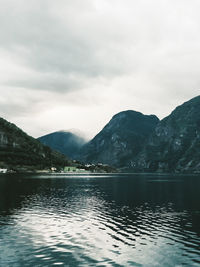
(120,140)
(131,140)
(174,145)
(63,141)
(142,143)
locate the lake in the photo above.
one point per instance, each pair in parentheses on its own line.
(99,220)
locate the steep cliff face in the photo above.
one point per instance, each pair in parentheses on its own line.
(120,140)
(175,142)
(19,149)
(65,142)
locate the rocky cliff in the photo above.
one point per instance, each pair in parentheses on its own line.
(19,149)
(174,145)
(65,142)
(120,140)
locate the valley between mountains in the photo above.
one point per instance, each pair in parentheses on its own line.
(130,141)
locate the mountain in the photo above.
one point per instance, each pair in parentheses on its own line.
(174,145)
(120,140)
(18,149)
(65,142)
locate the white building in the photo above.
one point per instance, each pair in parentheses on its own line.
(3,170)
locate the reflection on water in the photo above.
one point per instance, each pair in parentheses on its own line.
(107,220)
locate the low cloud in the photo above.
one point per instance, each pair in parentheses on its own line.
(93,58)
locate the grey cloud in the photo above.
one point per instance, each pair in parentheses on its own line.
(72,39)
(19,102)
(54,47)
(75,52)
(49,82)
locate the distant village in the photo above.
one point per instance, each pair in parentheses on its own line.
(66,169)
(88,168)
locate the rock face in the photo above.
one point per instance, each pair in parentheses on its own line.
(120,140)
(174,145)
(65,142)
(19,149)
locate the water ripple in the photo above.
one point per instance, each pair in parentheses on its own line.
(83,224)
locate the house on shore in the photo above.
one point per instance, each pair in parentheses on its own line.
(3,170)
(73,169)
(70,169)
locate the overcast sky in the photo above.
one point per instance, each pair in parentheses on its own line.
(69,64)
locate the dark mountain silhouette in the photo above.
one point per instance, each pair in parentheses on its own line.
(174,145)
(19,149)
(65,142)
(120,140)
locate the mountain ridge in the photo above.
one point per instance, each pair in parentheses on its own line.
(63,141)
(121,137)
(175,143)
(130,140)
(18,149)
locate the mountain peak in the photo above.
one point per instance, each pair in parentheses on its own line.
(174,144)
(122,137)
(63,141)
(132,113)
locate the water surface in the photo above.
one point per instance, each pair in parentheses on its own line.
(99,220)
